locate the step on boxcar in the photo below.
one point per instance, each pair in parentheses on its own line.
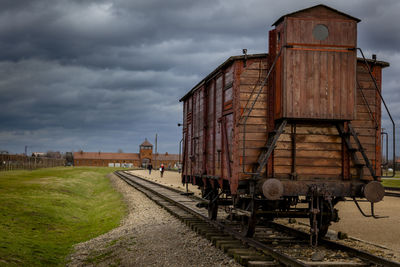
(292,132)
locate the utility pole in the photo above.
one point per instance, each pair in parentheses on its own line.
(156,153)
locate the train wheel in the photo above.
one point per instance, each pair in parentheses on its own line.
(320,223)
(248,223)
(325,221)
(213,205)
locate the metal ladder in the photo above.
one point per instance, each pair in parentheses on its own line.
(269,147)
(353,150)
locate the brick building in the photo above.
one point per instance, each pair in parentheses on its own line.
(141,159)
(106,159)
(169,160)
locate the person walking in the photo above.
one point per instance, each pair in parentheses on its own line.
(162,169)
(150,167)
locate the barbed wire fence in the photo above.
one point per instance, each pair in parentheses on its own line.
(22,162)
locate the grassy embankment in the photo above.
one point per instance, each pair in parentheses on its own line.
(44,212)
(390,183)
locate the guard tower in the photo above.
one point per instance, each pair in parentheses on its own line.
(145,153)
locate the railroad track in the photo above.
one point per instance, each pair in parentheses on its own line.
(392,191)
(272,245)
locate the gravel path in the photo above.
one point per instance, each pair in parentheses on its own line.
(148,236)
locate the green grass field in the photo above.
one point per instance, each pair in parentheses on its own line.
(390,183)
(44,212)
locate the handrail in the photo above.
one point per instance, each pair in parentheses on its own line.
(387,146)
(388,112)
(252,106)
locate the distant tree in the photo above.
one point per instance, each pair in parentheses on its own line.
(120,150)
(53,154)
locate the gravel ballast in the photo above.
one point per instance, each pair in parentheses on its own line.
(384,231)
(148,236)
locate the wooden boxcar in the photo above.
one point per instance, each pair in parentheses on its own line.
(301,124)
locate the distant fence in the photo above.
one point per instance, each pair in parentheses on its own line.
(21,162)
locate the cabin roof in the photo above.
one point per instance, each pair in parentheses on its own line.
(313,7)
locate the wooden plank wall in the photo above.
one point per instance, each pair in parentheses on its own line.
(318,151)
(204,111)
(227,121)
(318,75)
(211,129)
(218,137)
(319,84)
(256,126)
(318,146)
(197,137)
(367,128)
(342,31)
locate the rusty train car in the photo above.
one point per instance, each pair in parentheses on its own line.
(292,132)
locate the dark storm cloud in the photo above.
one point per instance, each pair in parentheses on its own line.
(103,75)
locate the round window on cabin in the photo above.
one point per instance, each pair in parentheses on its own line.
(320,32)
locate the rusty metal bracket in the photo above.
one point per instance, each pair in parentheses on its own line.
(372,211)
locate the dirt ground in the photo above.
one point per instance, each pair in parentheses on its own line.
(384,232)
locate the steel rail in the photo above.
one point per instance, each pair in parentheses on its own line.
(392,191)
(271,251)
(392,194)
(280,257)
(392,188)
(352,251)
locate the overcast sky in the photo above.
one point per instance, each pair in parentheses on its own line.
(104,75)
